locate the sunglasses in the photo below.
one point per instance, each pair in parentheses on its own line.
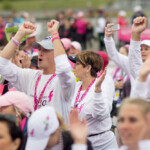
(7,117)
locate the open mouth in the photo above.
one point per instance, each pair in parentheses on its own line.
(40,59)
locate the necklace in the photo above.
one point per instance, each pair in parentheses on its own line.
(77,101)
(38,102)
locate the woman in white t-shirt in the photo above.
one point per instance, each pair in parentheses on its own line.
(93,97)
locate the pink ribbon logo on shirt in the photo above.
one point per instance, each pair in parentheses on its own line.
(80,108)
(50,96)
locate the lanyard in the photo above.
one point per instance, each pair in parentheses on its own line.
(77,101)
(37,102)
(31,54)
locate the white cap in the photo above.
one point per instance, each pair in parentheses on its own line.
(42,123)
(76,45)
(137,8)
(146,42)
(45,43)
(122,13)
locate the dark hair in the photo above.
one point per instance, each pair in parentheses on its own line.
(93,59)
(14,131)
(34,61)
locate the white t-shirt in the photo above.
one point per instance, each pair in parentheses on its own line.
(142,145)
(101,23)
(96,110)
(122,61)
(139,89)
(63,84)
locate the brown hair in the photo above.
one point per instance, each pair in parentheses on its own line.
(143,104)
(93,59)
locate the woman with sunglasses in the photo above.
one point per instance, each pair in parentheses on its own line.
(10,134)
(92,96)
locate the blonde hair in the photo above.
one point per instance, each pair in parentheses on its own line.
(62,125)
(143,104)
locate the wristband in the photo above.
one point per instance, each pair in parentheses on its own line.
(55,38)
(55,33)
(15,41)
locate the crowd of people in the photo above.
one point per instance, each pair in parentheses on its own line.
(57,95)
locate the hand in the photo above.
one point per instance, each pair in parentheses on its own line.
(99,81)
(139,25)
(53,26)
(26,61)
(145,70)
(16,61)
(109,33)
(119,84)
(78,130)
(25,29)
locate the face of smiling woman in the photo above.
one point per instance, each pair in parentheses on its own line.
(130,123)
(145,50)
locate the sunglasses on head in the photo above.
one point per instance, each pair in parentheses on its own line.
(9,118)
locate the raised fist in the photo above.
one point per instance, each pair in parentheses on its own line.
(52,26)
(26,28)
(109,33)
(139,25)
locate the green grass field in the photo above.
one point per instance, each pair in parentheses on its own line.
(36,5)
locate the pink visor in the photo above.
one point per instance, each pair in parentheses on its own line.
(18,99)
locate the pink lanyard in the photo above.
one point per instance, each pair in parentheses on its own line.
(83,95)
(37,102)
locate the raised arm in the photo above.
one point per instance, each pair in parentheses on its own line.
(119,59)
(135,59)
(53,27)
(100,107)
(25,29)
(141,86)
(17,76)
(63,68)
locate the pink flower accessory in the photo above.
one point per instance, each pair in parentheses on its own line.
(32,132)
(46,122)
